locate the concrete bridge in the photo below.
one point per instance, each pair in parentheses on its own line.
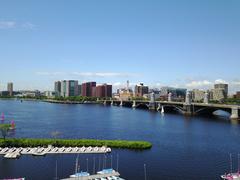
(186,108)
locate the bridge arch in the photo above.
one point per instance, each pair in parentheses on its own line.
(211,110)
(142,106)
(173,108)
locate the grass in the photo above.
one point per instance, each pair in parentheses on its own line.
(124,144)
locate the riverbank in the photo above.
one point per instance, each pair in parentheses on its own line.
(123,144)
(69,102)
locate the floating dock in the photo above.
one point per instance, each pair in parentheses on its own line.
(96,176)
(41,151)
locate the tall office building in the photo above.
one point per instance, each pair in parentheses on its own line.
(69,88)
(10,88)
(104,90)
(88,89)
(79,89)
(140,90)
(224,87)
(57,88)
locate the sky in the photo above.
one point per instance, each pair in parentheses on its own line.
(187,43)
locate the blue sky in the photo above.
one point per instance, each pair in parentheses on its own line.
(185,43)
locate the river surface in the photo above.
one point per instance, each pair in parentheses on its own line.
(184,148)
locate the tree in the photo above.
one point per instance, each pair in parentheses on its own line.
(5,128)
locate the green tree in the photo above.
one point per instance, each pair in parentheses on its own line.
(5,128)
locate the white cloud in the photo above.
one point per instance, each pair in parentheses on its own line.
(7,24)
(28,25)
(217,81)
(103,74)
(13,24)
(50,73)
(198,84)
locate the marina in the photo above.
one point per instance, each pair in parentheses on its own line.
(12,153)
(105,174)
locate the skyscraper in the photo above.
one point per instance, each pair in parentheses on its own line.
(88,89)
(57,88)
(104,90)
(10,88)
(222,86)
(69,88)
(140,90)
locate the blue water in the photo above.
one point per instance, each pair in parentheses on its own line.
(183,147)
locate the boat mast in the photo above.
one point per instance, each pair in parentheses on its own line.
(56,171)
(87,164)
(238,163)
(145,173)
(117,162)
(94,165)
(76,165)
(111,161)
(231,163)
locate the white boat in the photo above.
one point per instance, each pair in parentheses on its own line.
(106,171)
(15,179)
(78,174)
(231,176)
(162,111)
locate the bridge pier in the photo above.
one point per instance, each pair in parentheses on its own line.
(187,109)
(206,98)
(234,114)
(121,103)
(105,102)
(112,103)
(134,104)
(169,97)
(152,104)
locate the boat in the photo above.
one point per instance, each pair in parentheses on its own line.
(14,179)
(13,126)
(2,117)
(106,171)
(79,174)
(162,111)
(232,176)
(39,152)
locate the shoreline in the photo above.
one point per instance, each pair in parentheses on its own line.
(30,142)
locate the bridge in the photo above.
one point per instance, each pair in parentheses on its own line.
(187,108)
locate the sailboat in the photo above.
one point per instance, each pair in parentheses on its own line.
(162,111)
(12,125)
(2,117)
(77,173)
(231,175)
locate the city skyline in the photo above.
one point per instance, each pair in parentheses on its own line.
(160,43)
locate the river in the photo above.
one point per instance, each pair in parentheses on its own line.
(185,148)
